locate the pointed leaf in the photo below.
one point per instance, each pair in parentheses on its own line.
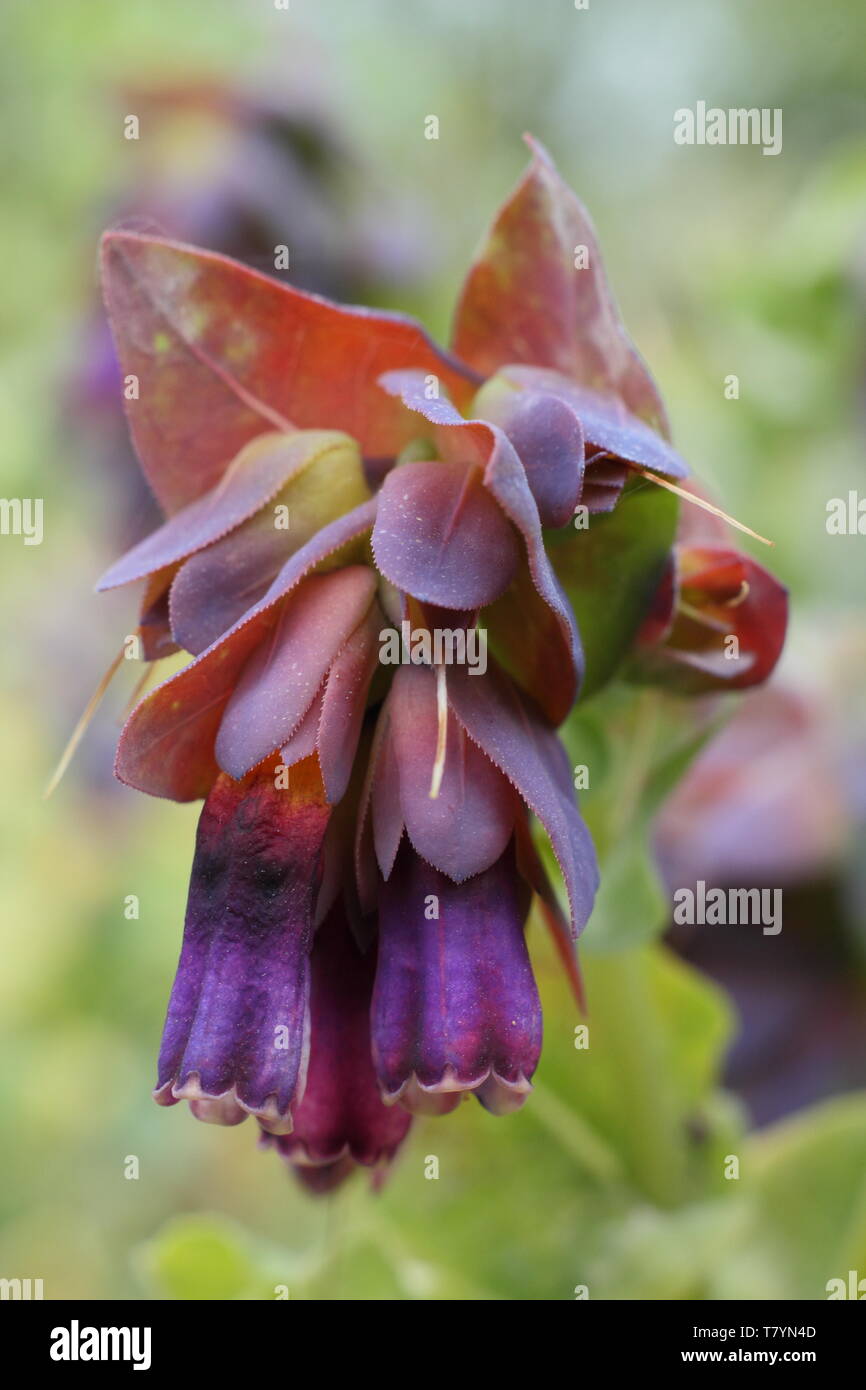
(532,757)
(504,477)
(538,294)
(467,826)
(607,425)
(167,745)
(214,588)
(282,677)
(223,354)
(252,479)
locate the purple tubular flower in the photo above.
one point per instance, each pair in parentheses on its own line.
(236,1033)
(455,1005)
(341,1121)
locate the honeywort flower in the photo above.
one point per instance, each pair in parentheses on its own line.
(354,945)
(718,622)
(342,1119)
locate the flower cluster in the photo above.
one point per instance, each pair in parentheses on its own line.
(365,862)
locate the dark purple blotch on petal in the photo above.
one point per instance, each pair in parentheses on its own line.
(235,1033)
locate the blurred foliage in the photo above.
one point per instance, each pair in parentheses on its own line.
(724,261)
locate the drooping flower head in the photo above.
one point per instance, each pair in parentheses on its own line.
(354,947)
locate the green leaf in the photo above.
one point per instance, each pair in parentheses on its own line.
(644,1082)
(631,905)
(635,748)
(208,1257)
(610,573)
(664,1256)
(814,1165)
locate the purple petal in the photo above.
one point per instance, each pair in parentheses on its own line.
(235,1033)
(455,1007)
(341,1112)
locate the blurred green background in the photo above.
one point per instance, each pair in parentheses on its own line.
(723,261)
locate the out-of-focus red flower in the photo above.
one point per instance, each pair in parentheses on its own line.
(718,621)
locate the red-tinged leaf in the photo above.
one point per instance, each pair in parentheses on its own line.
(382,797)
(223,354)
(280,681)
(712,575)
(504,476)
(252,479)
(302,743)
(466,828)
(603,481)
(530,864)
(607,425)
(548,436)
(526,300)
(531,756)
(154,624)
(525,637)
(199,608)
(167,745)
(440,536)
(344,702)
(216,587)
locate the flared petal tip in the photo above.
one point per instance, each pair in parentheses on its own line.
(320,1180)
(223,1109)
(322,1172)
(323,1178)
(498,1095)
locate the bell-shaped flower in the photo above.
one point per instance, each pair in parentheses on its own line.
(455,1007)
(237,1034)
(341,1122)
